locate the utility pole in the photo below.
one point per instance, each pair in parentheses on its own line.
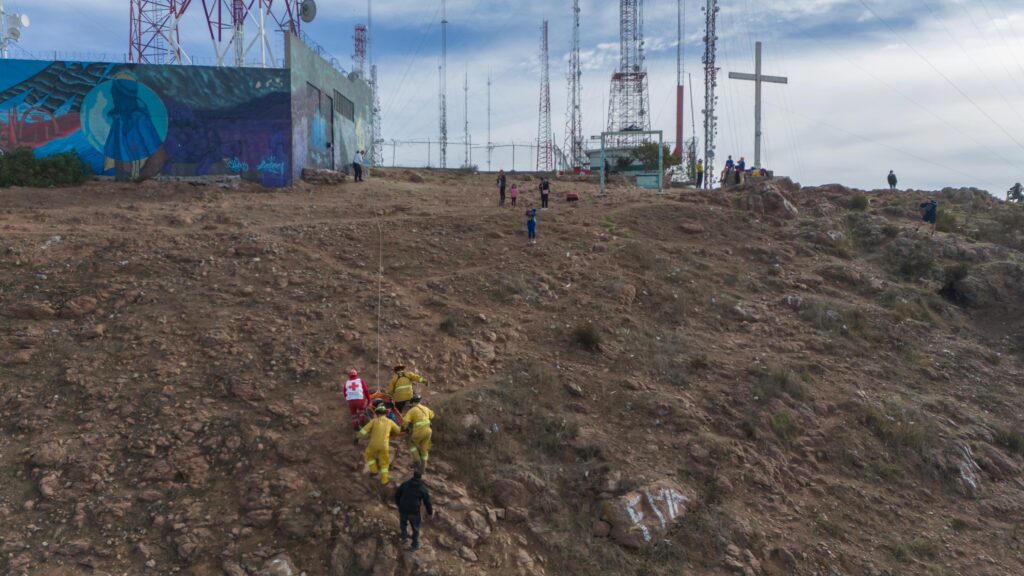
(443,72)
(490,144)
(710,83)
(758,79)
(545,152)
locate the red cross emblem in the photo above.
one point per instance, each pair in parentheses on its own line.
(353,386)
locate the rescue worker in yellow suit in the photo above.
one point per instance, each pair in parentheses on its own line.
(378,454)
(400,387)
(418,420)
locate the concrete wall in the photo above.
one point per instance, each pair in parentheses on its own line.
(145,120)
(331,112)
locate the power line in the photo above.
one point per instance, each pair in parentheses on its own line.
(941,74)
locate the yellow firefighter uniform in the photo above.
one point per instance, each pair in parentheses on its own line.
(400,387)
(378,456)
(418,420)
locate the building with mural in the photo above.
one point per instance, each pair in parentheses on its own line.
(141,120)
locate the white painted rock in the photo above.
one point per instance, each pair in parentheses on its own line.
(641,517)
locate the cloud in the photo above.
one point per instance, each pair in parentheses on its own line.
(859,102)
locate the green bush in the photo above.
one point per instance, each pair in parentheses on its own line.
(783,426)
(22,168)
(859,203)
(778,381)
(946,221)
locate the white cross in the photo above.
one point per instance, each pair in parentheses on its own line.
(758,78)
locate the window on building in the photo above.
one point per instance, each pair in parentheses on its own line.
(345,106)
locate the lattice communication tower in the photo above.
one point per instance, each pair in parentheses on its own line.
(545,146)
(630,102)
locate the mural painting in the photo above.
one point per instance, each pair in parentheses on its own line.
(137,121)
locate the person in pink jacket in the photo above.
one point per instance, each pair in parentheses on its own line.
(513,193)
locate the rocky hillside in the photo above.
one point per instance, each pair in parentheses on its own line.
(765,381)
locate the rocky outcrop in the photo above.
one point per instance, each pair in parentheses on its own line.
(639,518)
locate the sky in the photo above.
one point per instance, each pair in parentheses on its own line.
(932,89)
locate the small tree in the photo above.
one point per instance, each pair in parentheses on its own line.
(647,154)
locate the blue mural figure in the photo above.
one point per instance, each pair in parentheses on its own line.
(133,135)
(127,122)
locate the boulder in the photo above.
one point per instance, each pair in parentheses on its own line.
(79,307)
(509,493)
(323,177)
(640,518)
(280,565)
(482,351)
(31,311)
(767,200)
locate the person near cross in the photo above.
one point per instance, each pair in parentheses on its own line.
(356,394)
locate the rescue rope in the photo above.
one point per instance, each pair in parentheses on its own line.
(380,280)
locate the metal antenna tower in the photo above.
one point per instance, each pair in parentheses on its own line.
(465,119)
(153,36)
(377,148)
(376,132)
(490,145)
(360,56)
(710,83)
(154,29)
(574,115)
(545,146)
(443,73)
(630,102)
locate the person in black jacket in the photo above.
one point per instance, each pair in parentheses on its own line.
(408,498)
(501,187)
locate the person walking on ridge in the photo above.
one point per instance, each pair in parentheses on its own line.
(356,395)
(892,180)
(409,497)
(418,420)
(400,387)
(501,187)
(531,225)
(513,193)
(700,173)
(929,213)
(545,190)
(357,166)
(378,452)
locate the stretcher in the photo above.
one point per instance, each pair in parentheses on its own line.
(383,398)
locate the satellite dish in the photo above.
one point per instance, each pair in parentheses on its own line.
(24,20)
(14,33)
(307,10)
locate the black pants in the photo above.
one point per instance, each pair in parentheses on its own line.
(501,201)
(700,179)
(513,200)
(413,520)
(543,200)
(358,169)
(401,406)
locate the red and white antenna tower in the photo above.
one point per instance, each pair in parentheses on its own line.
(154,35)
(545,146)
(630,102)
(680,91)
(360,55)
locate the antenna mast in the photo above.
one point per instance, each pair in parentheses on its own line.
(545,152)
(574,122)
(710,83)
(443,72)
(680,90)
(490,145)
(465,118)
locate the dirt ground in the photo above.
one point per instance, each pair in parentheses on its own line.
(829,393)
